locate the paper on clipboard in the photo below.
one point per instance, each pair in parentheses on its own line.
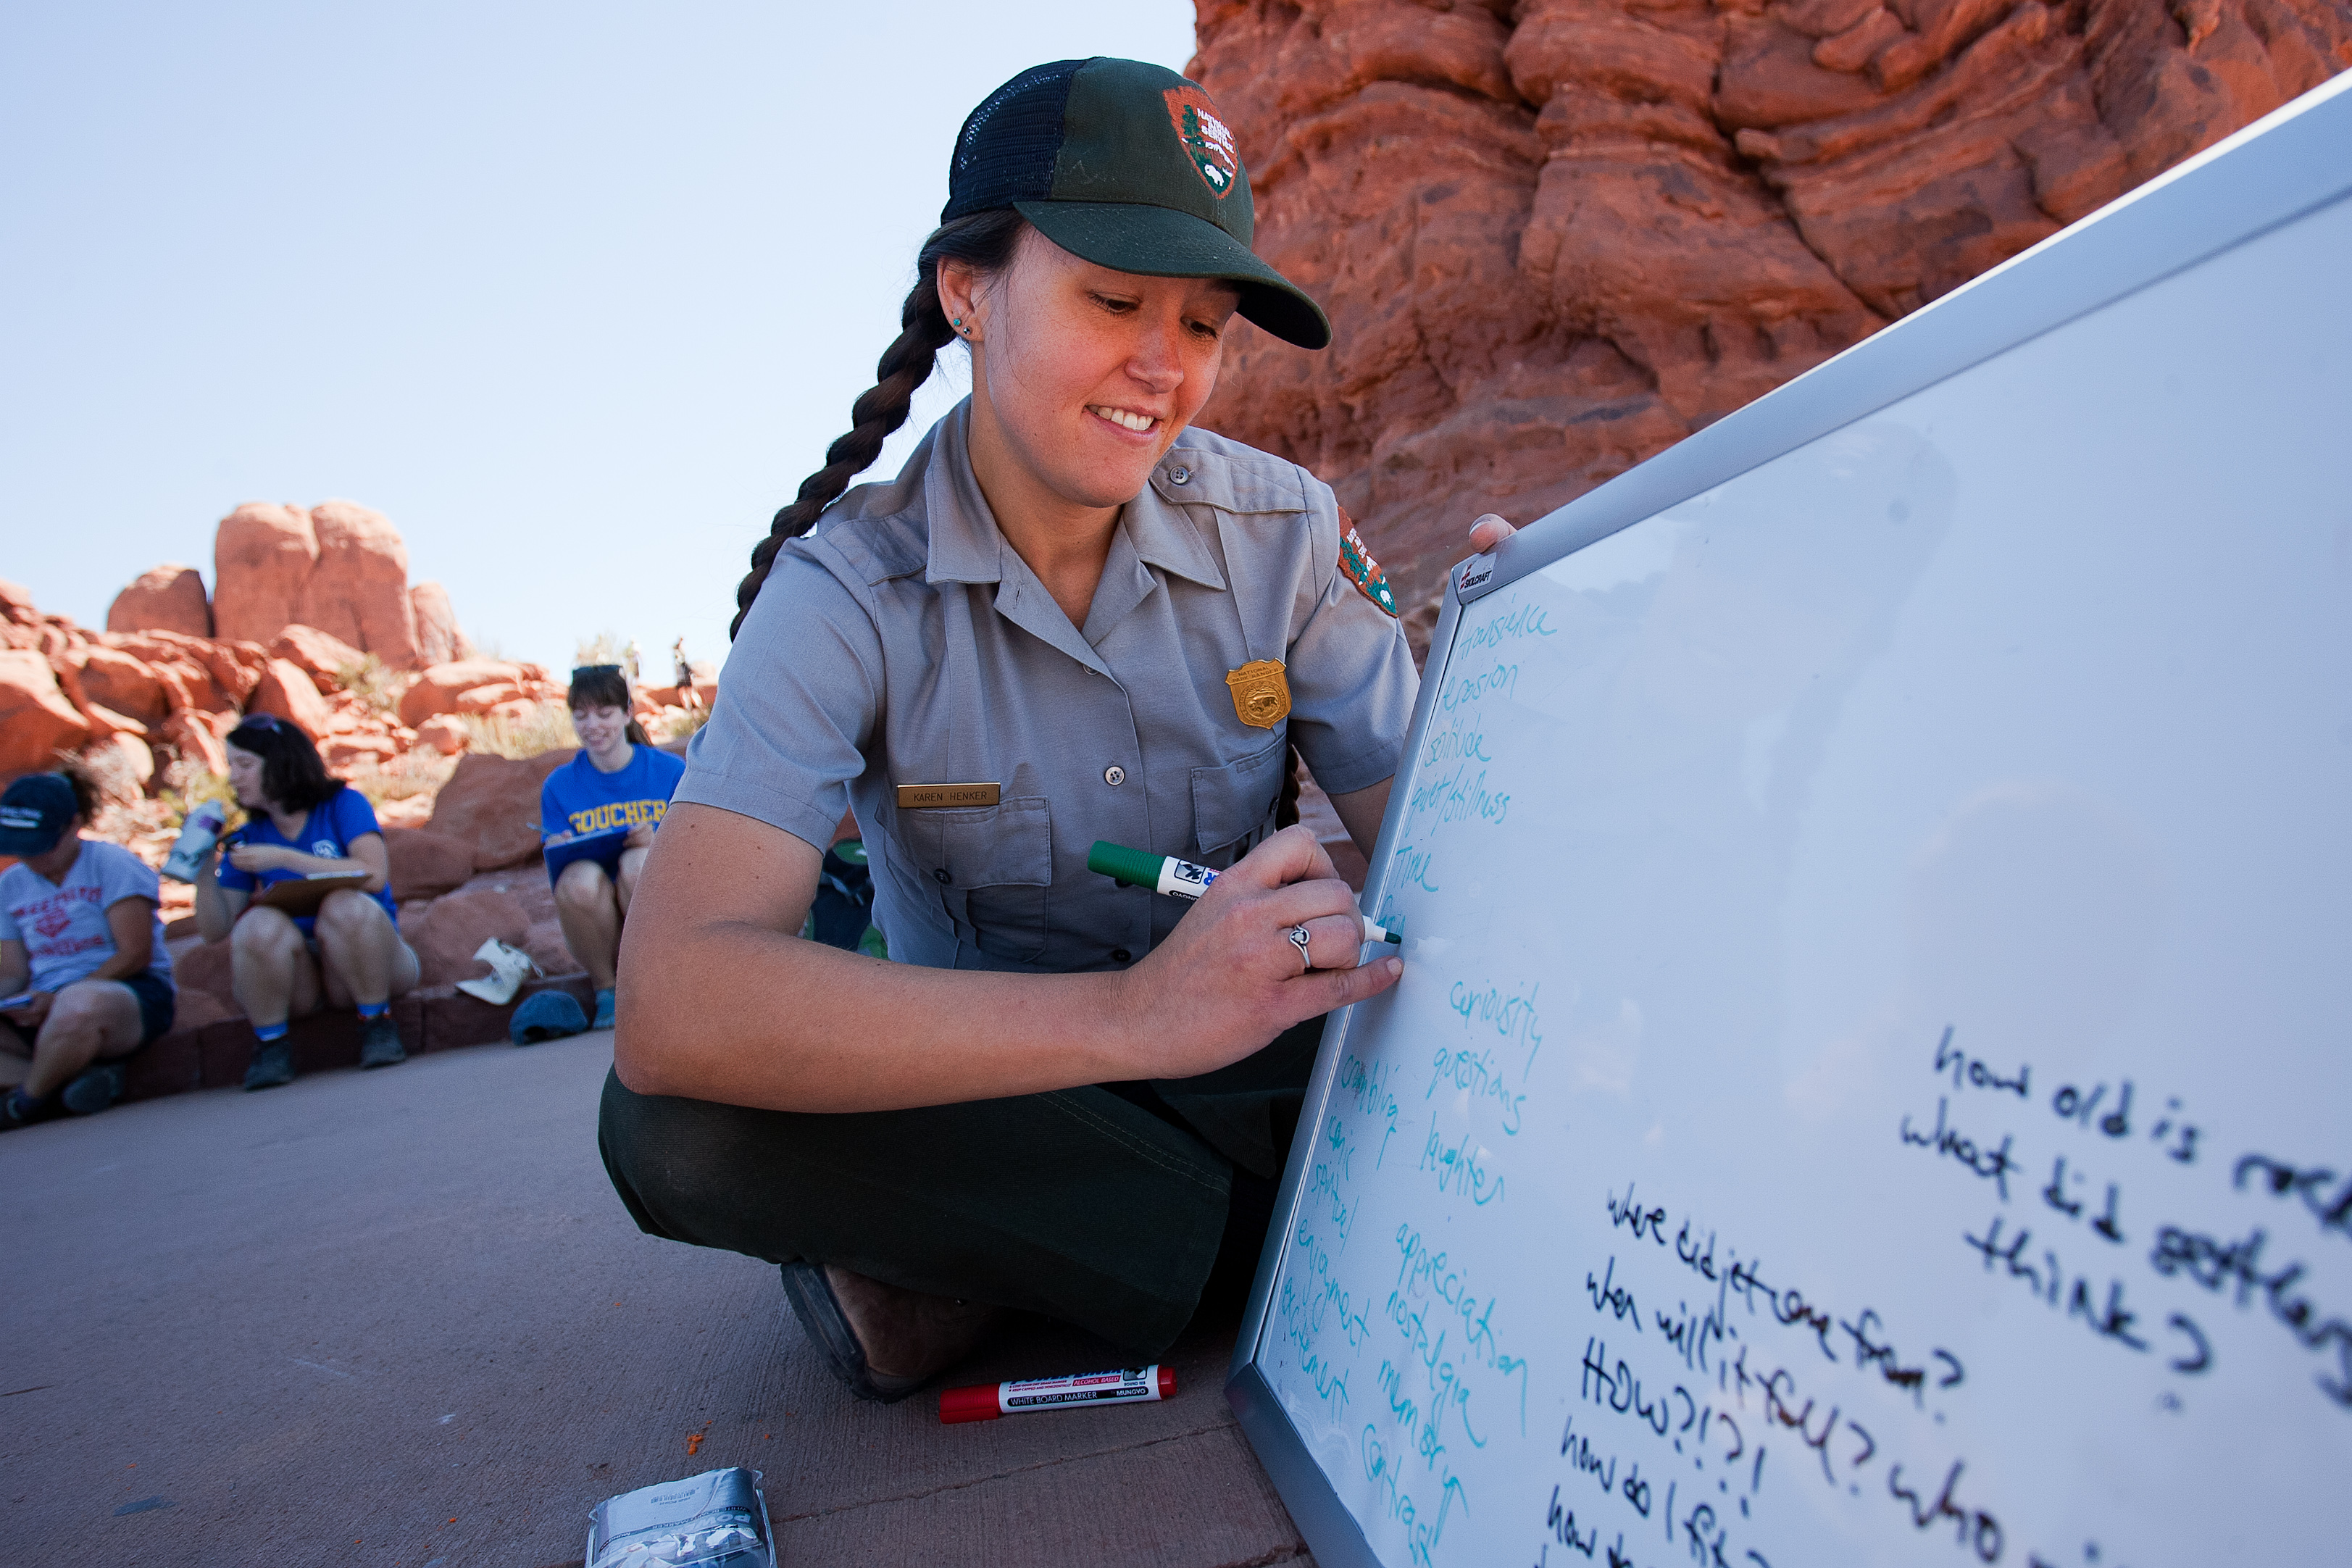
(303,895)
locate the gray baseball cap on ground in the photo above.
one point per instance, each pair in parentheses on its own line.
(1131,167)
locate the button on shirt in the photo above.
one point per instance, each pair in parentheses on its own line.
(904,641)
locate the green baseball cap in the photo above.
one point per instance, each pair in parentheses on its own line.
(1131,167)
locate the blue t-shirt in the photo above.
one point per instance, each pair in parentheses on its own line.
(328,832)
(585,815)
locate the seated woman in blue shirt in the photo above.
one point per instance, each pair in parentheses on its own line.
(599,813)
(349,954)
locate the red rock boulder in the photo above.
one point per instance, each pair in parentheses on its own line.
(322,656)
(262,558)
(437,687)
(358,590)
(122,766)
(284,690)
(182,666)
(170,597)
(439,641)
(425,865)
(189,734)
(444,733)
(127,685)
(450,931)
(492,804)
(1555,237)
(36,721)
(203,968)
(16,607)
(486,698)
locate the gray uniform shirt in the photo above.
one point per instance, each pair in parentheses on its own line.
(903,641)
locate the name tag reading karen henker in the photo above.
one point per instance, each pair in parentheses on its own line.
(915,797)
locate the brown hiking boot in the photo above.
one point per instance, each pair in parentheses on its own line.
(883,1342)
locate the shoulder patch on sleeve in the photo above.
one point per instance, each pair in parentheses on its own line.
(1356,563)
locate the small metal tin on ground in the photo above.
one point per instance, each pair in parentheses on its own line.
(716,1520)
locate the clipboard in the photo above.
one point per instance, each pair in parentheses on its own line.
(302,895)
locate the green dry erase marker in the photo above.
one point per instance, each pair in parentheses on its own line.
(1179,879)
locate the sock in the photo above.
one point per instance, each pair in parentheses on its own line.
(22,1103)
(372,1010)
(605,998)
(269,1034)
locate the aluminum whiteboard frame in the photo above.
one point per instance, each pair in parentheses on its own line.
(2290,163)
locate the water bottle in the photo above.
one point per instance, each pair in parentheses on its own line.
(198,834)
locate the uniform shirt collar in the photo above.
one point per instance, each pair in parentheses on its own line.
(964,543)
(967,547)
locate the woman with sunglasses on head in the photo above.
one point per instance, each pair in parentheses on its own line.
(597,815)
(349,953)
(1070,617)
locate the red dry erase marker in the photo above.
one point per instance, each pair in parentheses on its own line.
(986,1402)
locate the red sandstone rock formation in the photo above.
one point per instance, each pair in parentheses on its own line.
(492,803)
(1558,236)
(439,641)
(359,590)
(425,865)
(438,690)
(452,928)
(36,719)
(340,567)
(286,692)
(170,597)
(319,655)
(262,557)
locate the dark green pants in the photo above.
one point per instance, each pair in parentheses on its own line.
(1104,1206)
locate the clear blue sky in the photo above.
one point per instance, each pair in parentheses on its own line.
(576,294)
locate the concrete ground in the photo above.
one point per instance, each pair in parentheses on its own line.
(399,1317)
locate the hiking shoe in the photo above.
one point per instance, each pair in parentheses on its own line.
(604,1019)
(93,1089)
(18,1110)
(883,1342)
(273,1064)
(380,1043)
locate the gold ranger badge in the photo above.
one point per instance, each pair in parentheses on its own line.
(1261,693)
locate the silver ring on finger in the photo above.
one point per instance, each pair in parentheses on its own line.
(1297,935)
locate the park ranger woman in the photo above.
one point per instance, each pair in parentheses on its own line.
(1070,617)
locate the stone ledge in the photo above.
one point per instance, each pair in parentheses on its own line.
(214,1056)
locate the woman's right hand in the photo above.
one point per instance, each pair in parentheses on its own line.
(1229,979)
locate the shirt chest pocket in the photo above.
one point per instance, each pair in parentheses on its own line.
(991,866)
(1232,805)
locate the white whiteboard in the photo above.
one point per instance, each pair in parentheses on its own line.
(1873,1077)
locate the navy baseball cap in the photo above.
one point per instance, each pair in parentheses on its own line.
(1130,166)
(34,813)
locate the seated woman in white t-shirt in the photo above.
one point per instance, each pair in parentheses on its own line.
(82,954)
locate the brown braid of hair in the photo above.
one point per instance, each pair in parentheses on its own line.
(983,240)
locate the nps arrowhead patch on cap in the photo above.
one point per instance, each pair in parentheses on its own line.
(1362,570)
(1207,141)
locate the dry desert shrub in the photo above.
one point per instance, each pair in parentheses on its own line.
(422,771)
(670,725)
(546,727)
(378,688)
(188,783)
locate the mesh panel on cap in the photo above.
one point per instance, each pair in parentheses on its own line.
(1005,152)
